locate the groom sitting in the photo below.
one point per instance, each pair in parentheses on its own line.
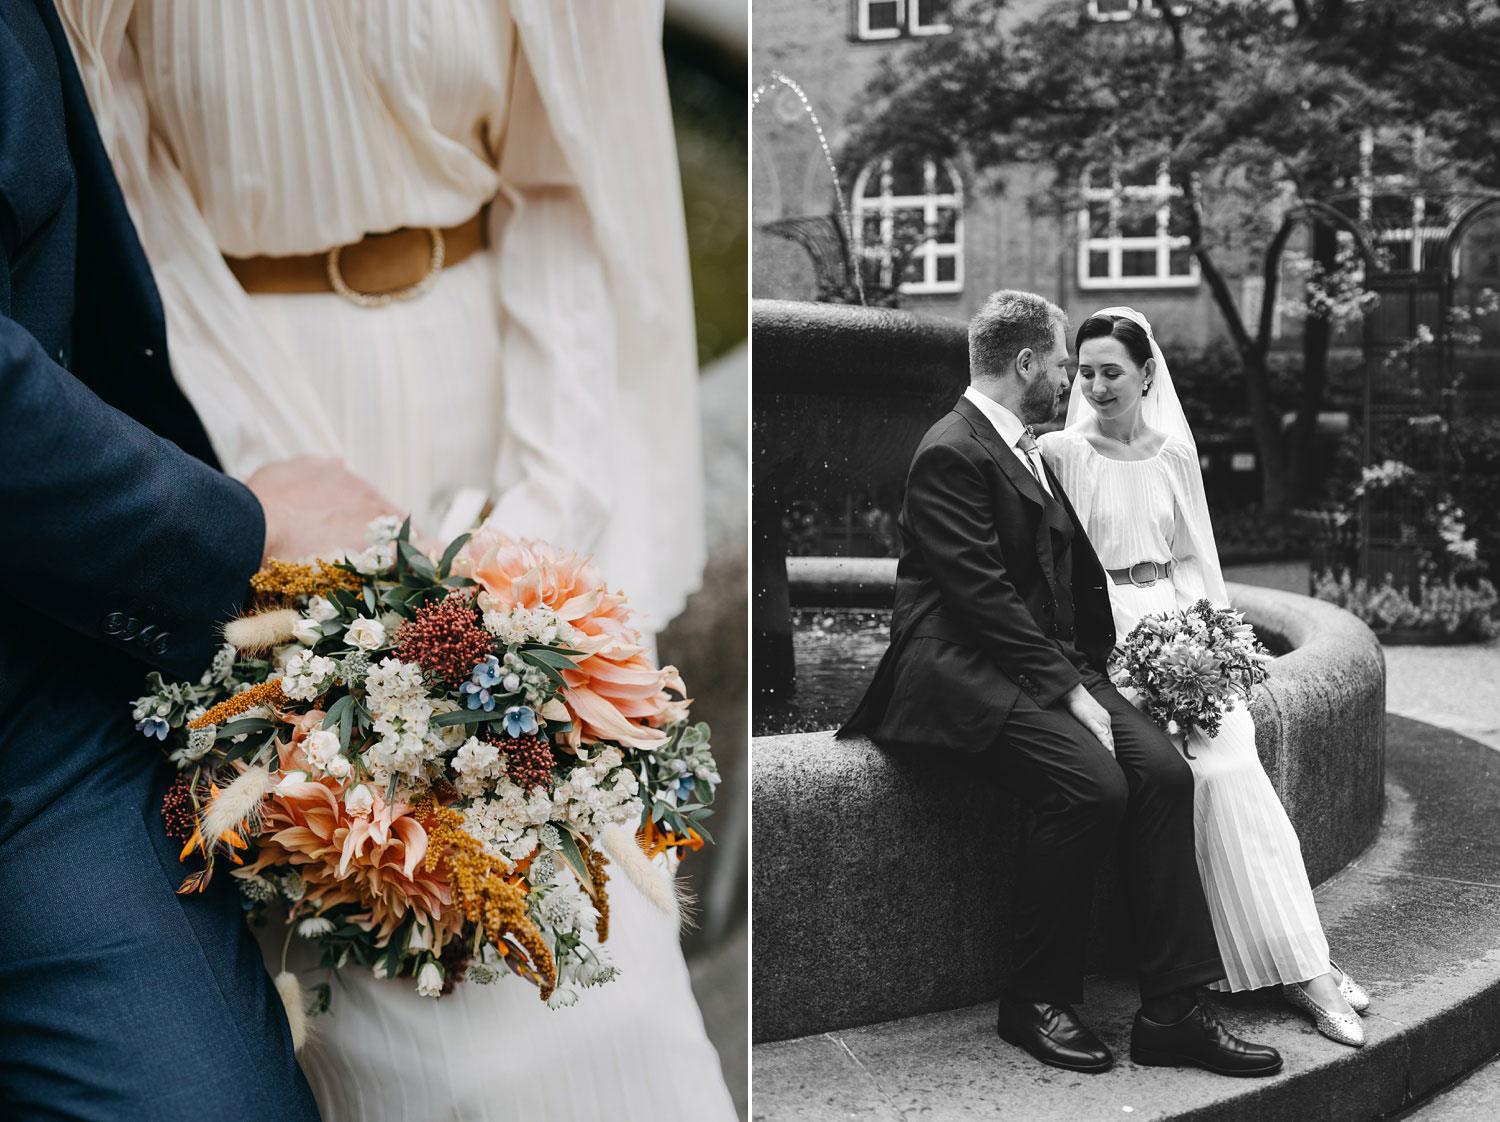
(998,646)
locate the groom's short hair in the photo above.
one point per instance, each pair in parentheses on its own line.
(1010,322)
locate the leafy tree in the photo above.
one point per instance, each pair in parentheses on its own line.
(1255,108)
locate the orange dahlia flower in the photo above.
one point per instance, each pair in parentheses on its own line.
(374,861)
(614,690)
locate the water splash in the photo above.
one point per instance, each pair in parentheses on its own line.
(777,77)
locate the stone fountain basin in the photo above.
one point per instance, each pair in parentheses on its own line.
(881,883)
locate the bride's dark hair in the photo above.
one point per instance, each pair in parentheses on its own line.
(1131,334)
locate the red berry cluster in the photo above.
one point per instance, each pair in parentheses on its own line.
(528,760)
(177,810)
(445,639)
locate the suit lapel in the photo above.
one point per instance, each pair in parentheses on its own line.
(1009,463)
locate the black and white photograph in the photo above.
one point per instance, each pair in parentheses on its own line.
(1125,410)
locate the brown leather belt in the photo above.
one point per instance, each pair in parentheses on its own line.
(1143,574)
(398,265)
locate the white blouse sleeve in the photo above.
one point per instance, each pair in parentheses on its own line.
(558,340)
(246,388)
(1197,574)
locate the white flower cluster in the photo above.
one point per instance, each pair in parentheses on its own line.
(478,766)
(597,794)
(508,824)
(307,675)
(375,560)
(402,712)
(525,625)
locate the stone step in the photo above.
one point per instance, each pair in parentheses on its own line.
(1416,918)
(1474,1098)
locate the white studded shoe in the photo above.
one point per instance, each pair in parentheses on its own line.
(1345,1028)
(1352,991)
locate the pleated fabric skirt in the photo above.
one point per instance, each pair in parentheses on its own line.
(1265,920)
(414,390)
(633,1050)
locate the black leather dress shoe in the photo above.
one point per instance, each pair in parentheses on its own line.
(1199,1040)
(1054,1035)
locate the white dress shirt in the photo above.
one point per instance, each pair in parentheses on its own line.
(1011,430)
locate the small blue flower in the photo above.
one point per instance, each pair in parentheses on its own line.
(488,673)
(520,719)
(153,726)
(477,696)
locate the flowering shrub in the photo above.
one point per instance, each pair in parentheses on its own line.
(1446,606)
(1188,667)
(427,761)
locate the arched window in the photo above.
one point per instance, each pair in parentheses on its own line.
(1130,234)
(908,217)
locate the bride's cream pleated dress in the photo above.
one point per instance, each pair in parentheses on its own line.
(553,370)
(1265,920)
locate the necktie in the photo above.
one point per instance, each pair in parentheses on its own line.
(1027,444)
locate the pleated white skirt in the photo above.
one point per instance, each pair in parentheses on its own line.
(630,1051)
(415,392)
(1265,920)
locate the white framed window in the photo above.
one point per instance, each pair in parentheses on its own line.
(1398,218)
(910,217)
(897,19)
(1117,11)
(1131,236)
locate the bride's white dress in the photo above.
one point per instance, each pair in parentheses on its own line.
(1264,917)
(554,370)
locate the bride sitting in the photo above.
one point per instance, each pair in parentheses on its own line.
(1128,461)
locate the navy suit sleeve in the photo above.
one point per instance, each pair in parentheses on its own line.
(114,531)
(951,516)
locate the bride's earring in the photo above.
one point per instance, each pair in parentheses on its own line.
(1146,390)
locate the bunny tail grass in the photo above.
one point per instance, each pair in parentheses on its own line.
(296,1011)
(235,803)
(261,631)
(655,883)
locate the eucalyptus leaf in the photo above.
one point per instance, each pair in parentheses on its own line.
(335,710)
(243,725)
(463,717)
(404,534)
(451,552)
(574,857)
(417,562)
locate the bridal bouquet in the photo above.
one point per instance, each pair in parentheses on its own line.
(1189,667)
(431,763)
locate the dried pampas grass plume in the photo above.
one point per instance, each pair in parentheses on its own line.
(263,630)
(296,1010)
(655,884)
(235,804)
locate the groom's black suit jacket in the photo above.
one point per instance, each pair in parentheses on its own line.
(998,592)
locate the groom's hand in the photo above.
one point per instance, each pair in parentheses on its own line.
(314,506)
(1091,715)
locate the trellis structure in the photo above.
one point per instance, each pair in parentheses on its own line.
(1411,244)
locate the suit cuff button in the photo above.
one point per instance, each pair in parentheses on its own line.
(114,623)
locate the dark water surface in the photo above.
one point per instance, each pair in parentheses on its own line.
(836,651)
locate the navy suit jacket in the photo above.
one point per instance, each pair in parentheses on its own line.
(121,536)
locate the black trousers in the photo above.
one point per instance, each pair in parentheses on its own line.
(1084,804)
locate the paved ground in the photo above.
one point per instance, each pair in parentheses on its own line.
(1456,688)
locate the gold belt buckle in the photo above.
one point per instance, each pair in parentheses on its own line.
(1144,583)
(379,299)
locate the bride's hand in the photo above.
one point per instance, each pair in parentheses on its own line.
(315,506)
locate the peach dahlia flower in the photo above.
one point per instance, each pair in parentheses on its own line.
(614,692)
(372,860)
